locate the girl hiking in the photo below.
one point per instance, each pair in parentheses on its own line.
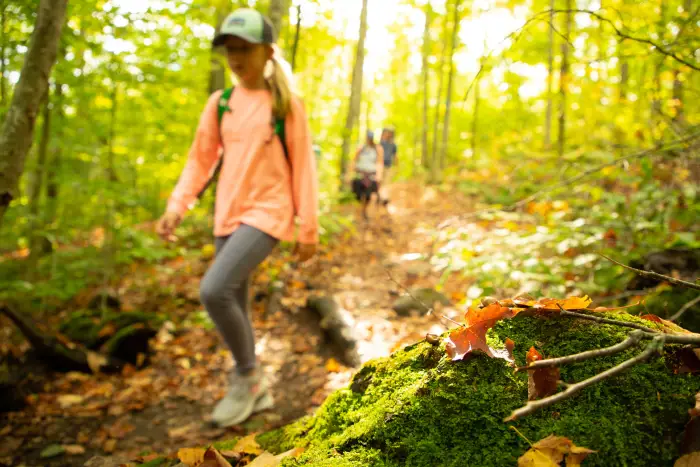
(268,174)
(369,166)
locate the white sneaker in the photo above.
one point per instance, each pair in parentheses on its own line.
(246,395)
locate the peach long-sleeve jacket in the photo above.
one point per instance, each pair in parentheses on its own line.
(256,186)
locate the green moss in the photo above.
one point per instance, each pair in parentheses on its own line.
(418,408)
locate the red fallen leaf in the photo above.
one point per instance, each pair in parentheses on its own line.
(464,340)
(653,318)
(541,382)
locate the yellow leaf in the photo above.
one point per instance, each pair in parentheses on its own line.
(208,251)
(96,361)
(332,365)
(550,451)
(689,460)
(192,457)
(67,400)
(268,460)
(248,445)
(536,458)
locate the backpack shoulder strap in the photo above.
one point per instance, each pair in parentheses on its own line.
(223,103)
(280,131)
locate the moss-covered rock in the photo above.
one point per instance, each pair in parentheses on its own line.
(418,408)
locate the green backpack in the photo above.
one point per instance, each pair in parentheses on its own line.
(221,110)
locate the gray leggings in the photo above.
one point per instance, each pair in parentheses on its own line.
(224,289)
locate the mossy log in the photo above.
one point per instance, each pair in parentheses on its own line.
(419,408)
(58,355)
(336,327)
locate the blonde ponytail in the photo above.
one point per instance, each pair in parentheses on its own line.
(280,84)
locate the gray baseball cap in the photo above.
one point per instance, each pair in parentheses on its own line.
(248,24)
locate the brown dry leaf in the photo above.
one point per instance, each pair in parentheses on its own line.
(541,382)
(95,361)
(248,445)
(550,451)
(109,446)
(74,449)
(213,458)
(108,330)
(464,340)
(268,460)
(183,431)
(689,460)
(510,346)
(192,457)
(68,400)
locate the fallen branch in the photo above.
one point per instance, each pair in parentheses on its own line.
(654,347)
(633,339)
(614,322)
(656,275)
(685,308)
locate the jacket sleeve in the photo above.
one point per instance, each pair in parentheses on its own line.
(201,160)
(304,175)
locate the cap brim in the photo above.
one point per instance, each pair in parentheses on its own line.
(220,39)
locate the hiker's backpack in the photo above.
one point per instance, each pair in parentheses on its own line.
(222,108)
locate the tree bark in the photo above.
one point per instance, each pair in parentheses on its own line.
(550,75)
(55,163)
(111,170)
(448,98)
(297,31)
(278,10)
(564,79)
(426,83)
(3,43)
(438,107)
(477,99)
(355,93)
(18,128)
(38,183)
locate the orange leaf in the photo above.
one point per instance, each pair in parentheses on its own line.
(571,303)
(541,382)
(651,317)
(602,308)
(464,340)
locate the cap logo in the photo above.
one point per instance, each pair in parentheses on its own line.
(236,21)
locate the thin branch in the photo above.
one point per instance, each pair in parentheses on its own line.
(623,35)
(692,339)
(685,308)
(614,322)
(654,347)
(633,339)
(429,310)
(656,275)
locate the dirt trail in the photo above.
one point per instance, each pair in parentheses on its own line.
(166,405)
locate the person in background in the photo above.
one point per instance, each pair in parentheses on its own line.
(261,189)
(390,161)
(368,167)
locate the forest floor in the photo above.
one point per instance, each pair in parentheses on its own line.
(166,405)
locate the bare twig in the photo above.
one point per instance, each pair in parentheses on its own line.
(429,310)
(692,339)
(685,308)
(633,339)
(614,322)
(656,275)
(654,347)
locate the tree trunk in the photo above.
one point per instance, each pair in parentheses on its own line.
(564,79)
(3,40)
(550,75)
(658,90)
(355,93)
(436,123)
(278,10)
(111,170)
(295,46)
(448,97)
(426,83)
(18,127)
(38,184)
(679,116)
(477,99)
(622,97)
(54,165)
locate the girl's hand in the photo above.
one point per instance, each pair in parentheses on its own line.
(166,225)
(304,251)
